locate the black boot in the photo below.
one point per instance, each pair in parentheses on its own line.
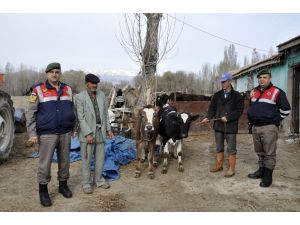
(44,195)
(267,178)
(64,189)
(257,174)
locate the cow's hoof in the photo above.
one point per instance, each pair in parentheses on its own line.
(150,175)
(180,168)
(137,174)
(164,171)
(155,164)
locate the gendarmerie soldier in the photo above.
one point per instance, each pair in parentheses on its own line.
(268,106)
(51,119)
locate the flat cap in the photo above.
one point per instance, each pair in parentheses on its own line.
(52,66)
(92,78)
(263,71)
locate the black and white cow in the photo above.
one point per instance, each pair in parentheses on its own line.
(173,127)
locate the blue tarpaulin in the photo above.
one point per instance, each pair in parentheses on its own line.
(19,114)
(75,144)
(118,151)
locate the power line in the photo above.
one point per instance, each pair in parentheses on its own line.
(216,36)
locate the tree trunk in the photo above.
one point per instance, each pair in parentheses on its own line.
(149,59)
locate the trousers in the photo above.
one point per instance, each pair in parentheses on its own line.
(48,143)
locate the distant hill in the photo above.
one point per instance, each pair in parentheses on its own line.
(116,76)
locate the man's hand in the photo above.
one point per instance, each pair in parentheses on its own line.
(32,141)
(89,139)
(224,119)
(205,120)
(110,134)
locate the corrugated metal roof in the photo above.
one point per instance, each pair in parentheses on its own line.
(274,59)
(288,44)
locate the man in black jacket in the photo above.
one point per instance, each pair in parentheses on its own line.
(268,106)
(226,107)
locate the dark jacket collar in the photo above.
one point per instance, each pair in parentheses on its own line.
(229,91)
(49,86)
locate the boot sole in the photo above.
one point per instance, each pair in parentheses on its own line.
(215,171)
(66,196)
(227,175)
(254,177)
(46,205)
(264,185)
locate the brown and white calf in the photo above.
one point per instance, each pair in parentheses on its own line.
(147,126)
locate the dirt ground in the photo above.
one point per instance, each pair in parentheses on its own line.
(196,189)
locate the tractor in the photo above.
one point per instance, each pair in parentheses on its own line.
(11,120)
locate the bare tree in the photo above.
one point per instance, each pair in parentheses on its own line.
(246,61)
(147,41)
(255,56)
(206,73)
(9,68)
(250,84)
(271,52)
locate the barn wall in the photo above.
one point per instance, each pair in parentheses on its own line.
(241,84)
(201,107)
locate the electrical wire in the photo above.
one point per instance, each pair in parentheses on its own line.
(216,36)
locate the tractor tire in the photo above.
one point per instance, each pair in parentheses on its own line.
(7,127)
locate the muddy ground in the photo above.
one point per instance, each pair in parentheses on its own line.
(196,189)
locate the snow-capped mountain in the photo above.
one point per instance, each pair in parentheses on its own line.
(119,72)
(117,75)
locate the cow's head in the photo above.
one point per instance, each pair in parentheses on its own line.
(148,123)
(162,100)
(185,120)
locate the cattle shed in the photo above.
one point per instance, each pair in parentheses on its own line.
(285,69)
(198,104)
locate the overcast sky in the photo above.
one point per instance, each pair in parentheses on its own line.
(89,41)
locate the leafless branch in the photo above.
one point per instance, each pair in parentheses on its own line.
(132,37)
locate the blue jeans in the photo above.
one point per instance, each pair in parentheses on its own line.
(230,139)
